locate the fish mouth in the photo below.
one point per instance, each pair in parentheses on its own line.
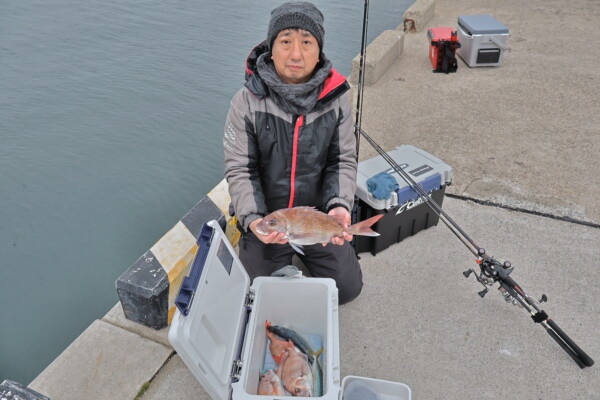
(260,231)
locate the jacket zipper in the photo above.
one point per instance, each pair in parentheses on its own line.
(297,126)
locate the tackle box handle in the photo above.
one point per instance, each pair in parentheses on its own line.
(188,287)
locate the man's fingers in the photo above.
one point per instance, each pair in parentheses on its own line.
(281,239)
(337,240)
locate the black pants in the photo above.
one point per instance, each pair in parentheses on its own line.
(331,261)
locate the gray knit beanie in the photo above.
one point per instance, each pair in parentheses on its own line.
(301,15)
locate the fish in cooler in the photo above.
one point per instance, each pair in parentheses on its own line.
(295,372)
(299,368)
(276,346)
(305,347)
(270,384)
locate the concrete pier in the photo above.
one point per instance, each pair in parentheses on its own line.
(522,139)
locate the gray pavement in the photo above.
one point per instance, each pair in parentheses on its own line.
(524,134)
(420,322)
(521,136)
(104,362)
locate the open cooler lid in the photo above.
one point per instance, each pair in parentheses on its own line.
(481,25)
(208,326)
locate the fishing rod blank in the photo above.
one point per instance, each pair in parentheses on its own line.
(361,76)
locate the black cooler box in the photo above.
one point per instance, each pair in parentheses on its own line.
(404,212)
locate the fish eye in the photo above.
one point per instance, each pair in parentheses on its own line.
(271,222)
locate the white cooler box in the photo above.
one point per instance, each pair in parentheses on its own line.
(482,40)
(218,327)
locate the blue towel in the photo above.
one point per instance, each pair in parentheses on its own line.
(382,185)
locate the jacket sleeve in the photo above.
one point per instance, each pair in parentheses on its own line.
(340,172)
(241,161)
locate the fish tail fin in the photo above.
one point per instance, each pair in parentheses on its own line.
(268,330)
(363,228)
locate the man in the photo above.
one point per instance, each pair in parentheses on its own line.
(289,142)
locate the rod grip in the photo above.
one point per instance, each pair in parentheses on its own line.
(566,348)
(585,359)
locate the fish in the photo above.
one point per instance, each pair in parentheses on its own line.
(303,345)
(276,346)
(290,334)
(296,375)
(270,384)
(306,225)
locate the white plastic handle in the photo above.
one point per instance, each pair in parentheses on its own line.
(498,43)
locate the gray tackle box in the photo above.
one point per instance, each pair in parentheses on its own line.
(405,212)
(482,40)
(218,326)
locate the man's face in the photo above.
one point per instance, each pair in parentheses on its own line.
(295,54)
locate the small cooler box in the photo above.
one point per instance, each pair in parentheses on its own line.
(218,327)
(443,43)
(483,40)
(405,212)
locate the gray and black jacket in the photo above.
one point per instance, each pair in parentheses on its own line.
(275,160)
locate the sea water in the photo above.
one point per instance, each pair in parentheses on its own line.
(111,121)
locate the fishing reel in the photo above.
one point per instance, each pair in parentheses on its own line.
(492,271)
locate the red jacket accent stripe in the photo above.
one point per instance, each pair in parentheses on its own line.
(299,122)
(333,80)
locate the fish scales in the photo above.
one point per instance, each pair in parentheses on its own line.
(296,374)
(306,348)
(270,384)
(306,226)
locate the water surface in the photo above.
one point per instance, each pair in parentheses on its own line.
(111,117)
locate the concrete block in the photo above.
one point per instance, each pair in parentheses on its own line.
(381,54)
(11,390)
(418,15)
(104,362)
(147,290)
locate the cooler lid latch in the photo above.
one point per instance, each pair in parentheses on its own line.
(236,370)
(249,300)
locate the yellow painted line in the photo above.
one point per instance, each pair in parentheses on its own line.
(173,246)
(220,197)
(181,267)
(170,314)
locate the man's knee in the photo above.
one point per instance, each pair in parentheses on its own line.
(349,287)
(340,264)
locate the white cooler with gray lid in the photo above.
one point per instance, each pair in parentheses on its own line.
(405,212)
(218,327)
(482,40)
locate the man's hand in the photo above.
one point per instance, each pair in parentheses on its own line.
(343,216)
(272,237)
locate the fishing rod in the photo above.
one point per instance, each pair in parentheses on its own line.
(491,270)
(361,76)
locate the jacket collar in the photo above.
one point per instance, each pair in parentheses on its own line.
(333,86)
